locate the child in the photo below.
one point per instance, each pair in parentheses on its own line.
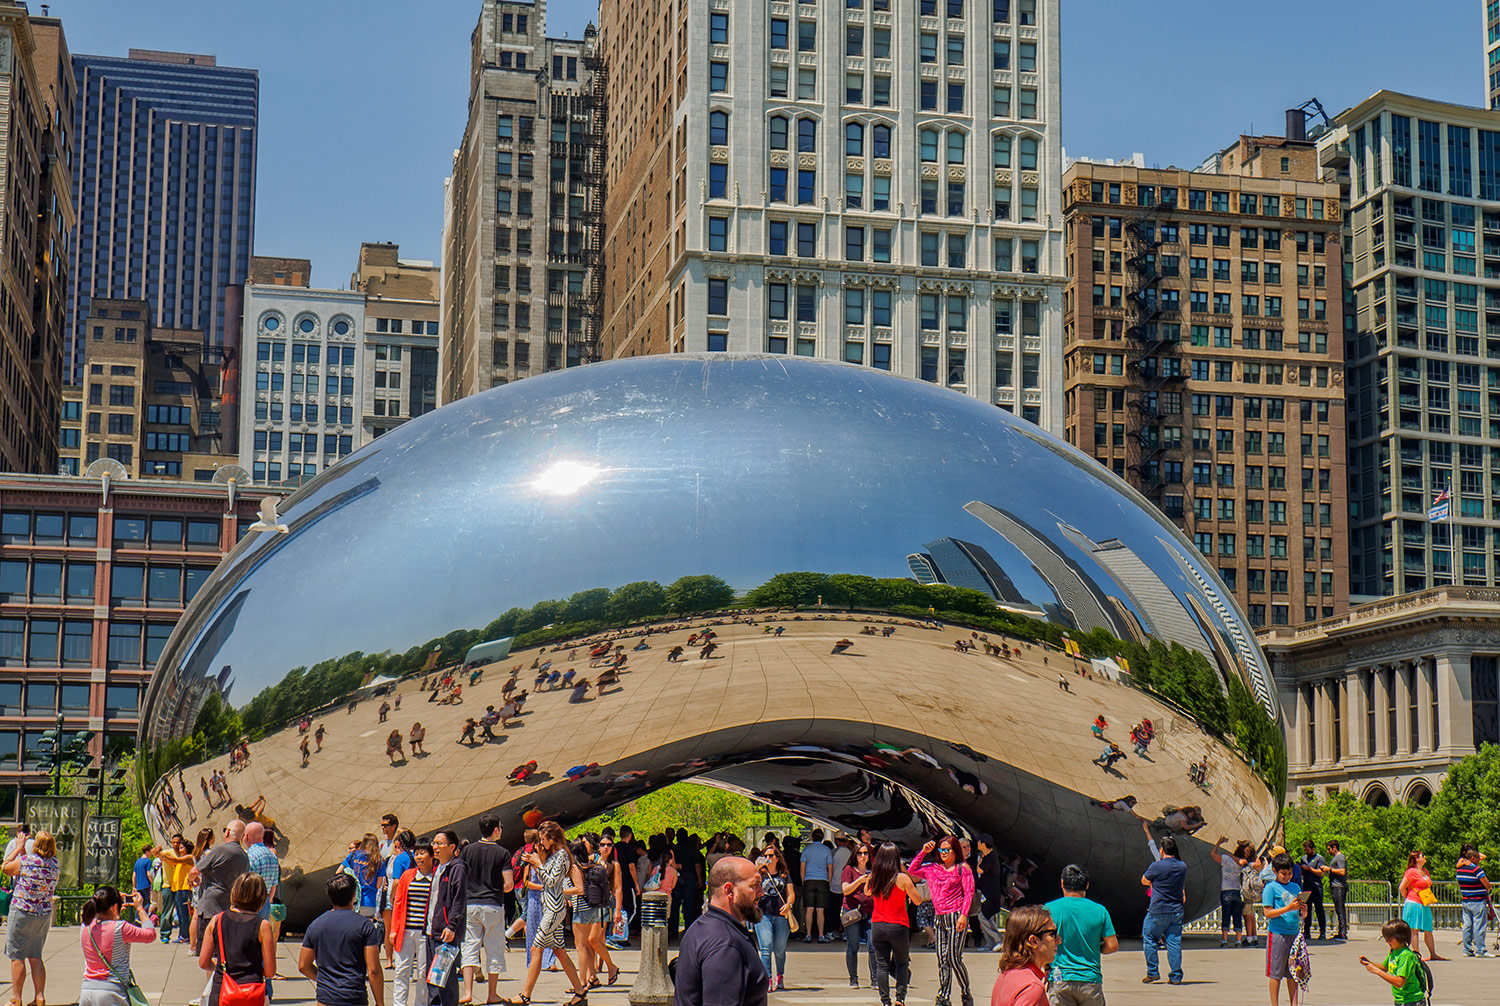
(1283,908)
(1401,967)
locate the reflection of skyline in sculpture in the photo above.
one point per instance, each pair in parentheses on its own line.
(1160,608)
(1250,657)
(964,564)
(1078,595)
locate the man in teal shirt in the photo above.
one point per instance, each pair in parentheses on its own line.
(1084,934)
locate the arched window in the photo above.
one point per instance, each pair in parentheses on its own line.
(880,142)
(1002,150)
(1028,153)
(718,129)
(807,136)
(778,132)
(955,147)
(929,144)
(854,140)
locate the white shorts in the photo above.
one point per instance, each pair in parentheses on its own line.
(484,926)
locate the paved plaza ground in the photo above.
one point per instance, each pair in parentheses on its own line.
(816,976)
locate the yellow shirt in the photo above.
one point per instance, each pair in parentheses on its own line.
(176,870)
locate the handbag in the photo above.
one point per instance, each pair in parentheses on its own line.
(233,992)
(1426,897)
(851,917)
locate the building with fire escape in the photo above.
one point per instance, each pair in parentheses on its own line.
(523,209)
(1203,359)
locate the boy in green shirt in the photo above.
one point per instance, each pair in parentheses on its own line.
(1401,968)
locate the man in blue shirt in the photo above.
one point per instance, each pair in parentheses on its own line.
(1084,933)
(142,874)
(1167,879)
(817,878)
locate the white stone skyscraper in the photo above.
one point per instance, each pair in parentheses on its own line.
(875,181)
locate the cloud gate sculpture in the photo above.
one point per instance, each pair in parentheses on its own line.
(870,600)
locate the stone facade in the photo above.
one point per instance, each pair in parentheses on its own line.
(1381,700)
(521,210)
(873,182)
(402,323)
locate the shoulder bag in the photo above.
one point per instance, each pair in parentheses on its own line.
(233,992)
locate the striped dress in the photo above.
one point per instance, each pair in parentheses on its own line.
(554,880)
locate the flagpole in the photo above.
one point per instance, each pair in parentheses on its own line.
(1452,533)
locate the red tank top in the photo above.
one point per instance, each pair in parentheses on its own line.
(890,907)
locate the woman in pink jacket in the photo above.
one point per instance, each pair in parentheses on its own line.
(950,881)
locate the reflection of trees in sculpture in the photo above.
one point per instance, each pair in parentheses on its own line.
(1182,677)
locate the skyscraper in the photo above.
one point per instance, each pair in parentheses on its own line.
(874,181)
(521,287)
(1492,52)
(964,564)
(1424,212)
(36,215)
(165,182)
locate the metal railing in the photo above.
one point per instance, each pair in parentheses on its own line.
(1371,903)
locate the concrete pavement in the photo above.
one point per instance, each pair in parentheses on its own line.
(816,976)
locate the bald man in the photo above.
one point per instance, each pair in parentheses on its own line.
(219,868)
(718,962)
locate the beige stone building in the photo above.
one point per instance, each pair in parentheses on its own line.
(1203,363)
(150,398)
(522,210)
(402,326)
(1380,700)
(36,215)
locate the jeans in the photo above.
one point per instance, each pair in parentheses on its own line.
(892,959)
(771,933)
(1340,897)
(1315,904)
(687,900)
(1156,929)
(178,904)
(1476,926)
(1232,908)
(852,935)
(447,993)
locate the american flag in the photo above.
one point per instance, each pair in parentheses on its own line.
(1443,496)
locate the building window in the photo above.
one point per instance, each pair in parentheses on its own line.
(718,296)
(718,76)
(718,128)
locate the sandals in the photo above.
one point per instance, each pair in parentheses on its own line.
(517,1001)
(579,998)
(614,975)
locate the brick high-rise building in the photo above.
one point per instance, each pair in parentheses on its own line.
(35,218)
(874,181)
(1204,361)
(522,210)
(165,182)
(94,574)
(402,321)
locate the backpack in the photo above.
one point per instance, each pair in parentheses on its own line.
(1424,975)
(596,885)
(1251,885)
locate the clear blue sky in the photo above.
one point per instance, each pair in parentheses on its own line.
(363,102)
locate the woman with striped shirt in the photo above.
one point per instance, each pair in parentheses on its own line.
(950,881)
(406,939)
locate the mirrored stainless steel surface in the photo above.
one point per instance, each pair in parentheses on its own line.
(997,591)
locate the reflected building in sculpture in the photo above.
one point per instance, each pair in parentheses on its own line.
(556,511)
(963,564)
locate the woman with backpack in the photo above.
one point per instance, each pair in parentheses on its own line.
(1252,886)
(586,915)
(106,948)
(364,864)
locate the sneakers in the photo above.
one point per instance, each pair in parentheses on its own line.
(807,938)
(1150,979)
(1174,981)
(1223,943)
(780,984)
(854,983)
(825,938)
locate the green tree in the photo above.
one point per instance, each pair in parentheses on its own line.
(588,605)
(635,601)
(1467,807)
(1376,840)
(698,593)
(701,809)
